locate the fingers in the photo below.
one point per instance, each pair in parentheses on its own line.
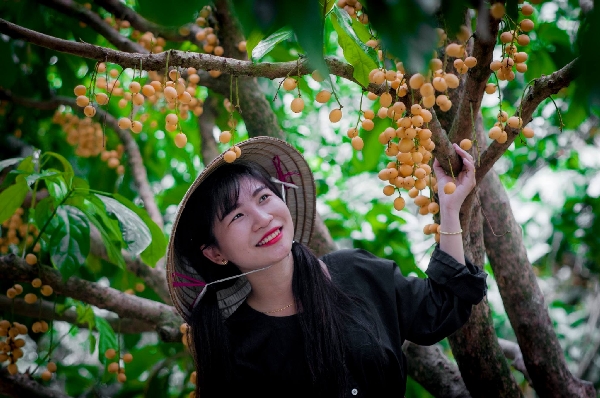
(462,153)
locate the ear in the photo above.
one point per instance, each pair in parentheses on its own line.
(213,254)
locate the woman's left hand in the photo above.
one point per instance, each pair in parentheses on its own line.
(465,181)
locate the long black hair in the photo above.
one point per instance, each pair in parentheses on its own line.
(324,311)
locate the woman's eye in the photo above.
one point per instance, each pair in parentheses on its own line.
(236,216)
(263,197)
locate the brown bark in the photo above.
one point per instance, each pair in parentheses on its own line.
(206,123)
(523,300)
(474,85)
(22,385)
(434,371)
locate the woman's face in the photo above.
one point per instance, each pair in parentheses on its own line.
(258,232)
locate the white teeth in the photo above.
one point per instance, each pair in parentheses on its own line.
(269,238)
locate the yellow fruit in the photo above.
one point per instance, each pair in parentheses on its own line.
(289,84)
(127,358)
(170,93)
(297,105)
(433,208)
(46,375)
(449,188)
(526,25)
(514,122)
(30,298)
(466,144)
(46,290)
(89,111)
(470,62)
(357,143)
(323,96)
(12,369)
(82,101)
(497,10)
(490,88)
(335,115)
(113,367)
(230,156)
(101,99)
(135,87)
(385,100)
(121,377)
(180,140)
(389,190)
(416,81)
(399,203)
(172,118)
(455,50)
(237,150)
(137,127)
(51,367)
(242,46)
(124,123)
(317,76)
(18,288)
(528,132)
(526,10)
(11,293)
(79,90)
(110,353)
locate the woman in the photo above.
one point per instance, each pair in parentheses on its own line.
(268,318)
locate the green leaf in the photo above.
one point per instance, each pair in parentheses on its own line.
(136,233)
(9,162)
(67,168)
(108,227)
(11,199)
(57,186)
(43,210)
(266,45)
(85,314)
(27,165)
(253,39)
(358,54)
(170,13)
(69,240)
(158,246)
(33,177)
(107,338)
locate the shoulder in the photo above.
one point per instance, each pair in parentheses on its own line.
(358,265)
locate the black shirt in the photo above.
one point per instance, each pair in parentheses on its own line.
(269,358)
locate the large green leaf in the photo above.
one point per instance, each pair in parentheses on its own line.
(107,338)
(267,44)
(158,246)
(57,187)
(362,57)
(108,227)
(33,177)
(12,198)
(136,233)
(172,12)
(69,240)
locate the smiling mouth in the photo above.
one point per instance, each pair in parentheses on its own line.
(270,237)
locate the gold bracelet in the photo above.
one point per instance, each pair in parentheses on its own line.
(451,233)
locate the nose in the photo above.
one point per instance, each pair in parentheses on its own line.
(262,219)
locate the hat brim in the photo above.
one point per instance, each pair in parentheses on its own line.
(267,152)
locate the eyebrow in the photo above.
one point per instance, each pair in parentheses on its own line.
(237,205)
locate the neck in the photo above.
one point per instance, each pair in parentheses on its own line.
(272,288)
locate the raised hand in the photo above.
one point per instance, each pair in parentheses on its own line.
(465,181)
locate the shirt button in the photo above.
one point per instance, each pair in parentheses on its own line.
(354,391)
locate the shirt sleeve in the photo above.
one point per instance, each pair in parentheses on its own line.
(433,308)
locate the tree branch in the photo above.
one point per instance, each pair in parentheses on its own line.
(523,299)
(93,20)
(22,385)
(541,89)
(443,151)
(206,123)
(513,352)
(164,317)
(434,371)
(476,79)
(270,70)
(45,310)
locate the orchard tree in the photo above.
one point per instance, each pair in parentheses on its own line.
(110,109)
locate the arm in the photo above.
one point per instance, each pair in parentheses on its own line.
(450,204)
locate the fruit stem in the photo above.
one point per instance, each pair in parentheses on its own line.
(451,171)
(51,348)
(334,93)
(475,136)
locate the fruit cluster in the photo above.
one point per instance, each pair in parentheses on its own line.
(355,9)
(115,367)
(194,381)
(16,233)
(83,134)
(11,346)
